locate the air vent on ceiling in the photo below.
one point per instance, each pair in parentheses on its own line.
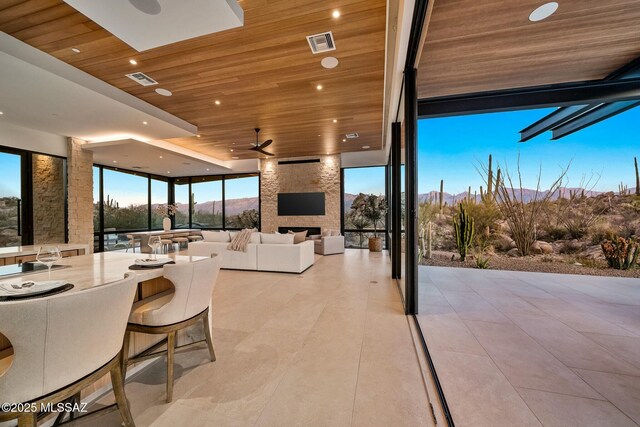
(321,42)
(142,78)
(352,135)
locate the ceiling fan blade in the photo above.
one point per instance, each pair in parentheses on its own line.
(266,143)
(254,148)
(266,153)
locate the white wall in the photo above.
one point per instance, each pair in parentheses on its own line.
(32,140)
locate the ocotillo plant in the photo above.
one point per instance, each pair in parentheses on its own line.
(635,161)
(463,226)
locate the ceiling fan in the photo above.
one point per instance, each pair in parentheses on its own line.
(259,147)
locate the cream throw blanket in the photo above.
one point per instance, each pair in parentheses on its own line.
(240,241)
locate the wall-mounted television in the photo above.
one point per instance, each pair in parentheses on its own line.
(297,204)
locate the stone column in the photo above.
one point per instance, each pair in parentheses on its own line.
(48,199)
(80,193)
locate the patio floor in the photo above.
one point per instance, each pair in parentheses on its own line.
(531,349)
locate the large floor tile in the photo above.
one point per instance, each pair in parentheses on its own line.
(558,410)
(525,363)
(621,390)
(478,394)
(447,332)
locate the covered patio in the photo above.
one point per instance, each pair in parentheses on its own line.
(530,349)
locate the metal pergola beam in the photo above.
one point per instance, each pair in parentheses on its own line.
(598,114)
(552,120)
(564,94)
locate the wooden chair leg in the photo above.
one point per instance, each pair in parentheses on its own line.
(27,419)
(117,382)
(171,346)
(125,354)
(207,336)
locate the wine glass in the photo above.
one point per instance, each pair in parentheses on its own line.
(154,244)
(48,255)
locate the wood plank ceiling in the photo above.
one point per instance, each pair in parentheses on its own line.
(263,74)
(477,46)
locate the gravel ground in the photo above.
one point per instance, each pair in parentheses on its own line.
(529,263)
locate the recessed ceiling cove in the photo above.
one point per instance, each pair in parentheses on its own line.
(147,24)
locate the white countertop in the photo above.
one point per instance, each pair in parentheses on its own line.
(13,251)
(86,271)
(159,232)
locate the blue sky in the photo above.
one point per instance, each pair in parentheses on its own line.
(364,180)
(449,148)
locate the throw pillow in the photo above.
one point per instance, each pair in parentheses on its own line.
(276,239)
(298,236)
(215,236)
(326,233)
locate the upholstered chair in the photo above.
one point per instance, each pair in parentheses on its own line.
(63,343)
(171,311)
(132,243)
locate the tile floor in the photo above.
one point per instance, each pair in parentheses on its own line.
(329,347)
(531,349)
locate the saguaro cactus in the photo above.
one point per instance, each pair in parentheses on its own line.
(441,195)
(463,226)
(635,161)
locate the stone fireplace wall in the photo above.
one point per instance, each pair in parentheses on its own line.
(300,178)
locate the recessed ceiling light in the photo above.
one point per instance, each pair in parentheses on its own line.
(231,150)
(235,157)
(366,147)
(335,120)
(160,156)
(319,135)
(168,171)
(133,62)
(163,92)
(198,135)
(336,14)
(145,123)
(75,50)
(217,102)
(1,113)
(543,12)
(115,161)
(344,140)
(319,87)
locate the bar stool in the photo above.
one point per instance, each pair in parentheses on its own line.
(195,236)
(180,239)
(167,242)
(64,343)
(132,243)
(170,312)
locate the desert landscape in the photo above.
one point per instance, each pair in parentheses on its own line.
(503,225)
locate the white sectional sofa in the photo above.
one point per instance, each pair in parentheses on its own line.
(278,257)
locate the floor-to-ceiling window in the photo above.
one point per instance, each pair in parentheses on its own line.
(218,201)
(159,201)
(206,202)
(10,199)
(241,201)
(364,205)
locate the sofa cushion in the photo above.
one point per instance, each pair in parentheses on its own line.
(277,239)
(298,236)
(326,233)
(216,236)
(255,238)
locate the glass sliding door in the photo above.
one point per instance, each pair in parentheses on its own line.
(181,199)
(10,199)
(241,202)
(159,198)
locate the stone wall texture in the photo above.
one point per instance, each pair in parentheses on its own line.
(48,199)
(80,192)
(300,178)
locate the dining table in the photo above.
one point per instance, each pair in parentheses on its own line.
(144,236)
(87,271)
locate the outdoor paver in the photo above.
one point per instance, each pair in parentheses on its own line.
(621,390)
(559,410)
(569,345)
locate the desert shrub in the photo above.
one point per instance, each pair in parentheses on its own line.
(586,261)
(486,216)
(553,232)
(600,234)
(482,262)
(621,253)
